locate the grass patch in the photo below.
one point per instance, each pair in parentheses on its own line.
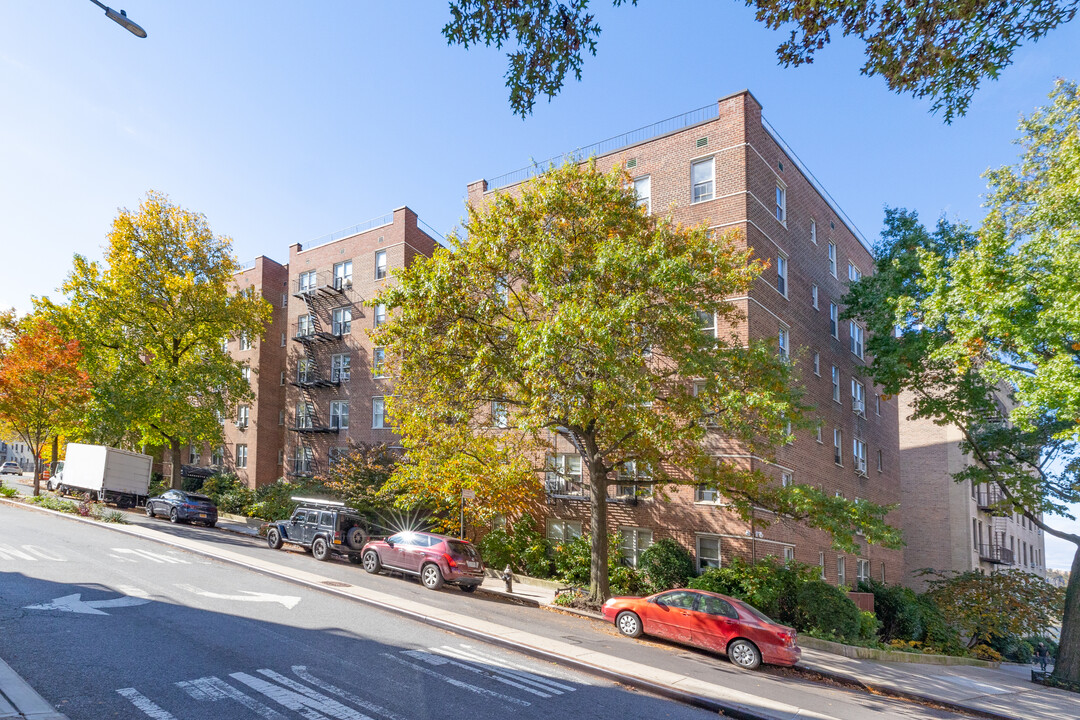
(8,491)
(92,510)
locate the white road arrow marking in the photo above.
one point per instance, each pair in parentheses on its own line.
(289,601)
(75,603)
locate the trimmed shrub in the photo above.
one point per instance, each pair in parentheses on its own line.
(628,581)
(828,609)
(936,630)
(573,561)
(898,609)
(522,546)
(666,564)
(869,626)
(769,585)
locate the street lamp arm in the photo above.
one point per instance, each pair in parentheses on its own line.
(121,19)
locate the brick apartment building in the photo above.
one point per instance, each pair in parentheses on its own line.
(724,166)
(950,525)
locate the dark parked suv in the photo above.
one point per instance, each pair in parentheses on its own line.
(183,506)
(325,528)
(437,559)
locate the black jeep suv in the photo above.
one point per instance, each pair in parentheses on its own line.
(325,528)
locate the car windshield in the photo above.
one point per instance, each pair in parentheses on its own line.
(757,613)
(456,546)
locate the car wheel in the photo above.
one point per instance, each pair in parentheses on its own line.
(320,550)
(744,654)
(355,559)
(372,563)
(468,588)
(150,510)
(273,538)
(356,538)
(174,516)
(431,576)
(212,523)
(628,623)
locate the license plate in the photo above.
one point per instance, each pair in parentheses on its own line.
(472,564)
(202,515)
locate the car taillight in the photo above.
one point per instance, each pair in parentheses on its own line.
(450,561)
(337,536)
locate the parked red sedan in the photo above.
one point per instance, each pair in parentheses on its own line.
(708,621)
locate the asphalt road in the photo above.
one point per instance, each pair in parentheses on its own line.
(110,626)
(777,684)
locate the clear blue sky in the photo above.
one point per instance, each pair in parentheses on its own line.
(284,121)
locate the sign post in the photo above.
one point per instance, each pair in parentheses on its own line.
(471,495)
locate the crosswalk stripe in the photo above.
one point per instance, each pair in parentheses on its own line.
(301,672)
(421,655)
(7,552)
(214,689)
(493,667)
(43,553)
(514,671)
(145,704)
(327,702)
(458,683)
(301,703)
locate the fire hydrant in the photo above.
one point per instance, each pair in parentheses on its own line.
(508,578)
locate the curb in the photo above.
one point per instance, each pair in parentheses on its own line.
(894,656)
(23,700)
(728,709)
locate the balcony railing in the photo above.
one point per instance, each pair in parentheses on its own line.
(564,487)
(321,282)
(314,380)
(990,498)
(308,332)
(996,554)
(311,424)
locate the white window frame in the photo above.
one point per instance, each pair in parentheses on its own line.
(703,561)
(858,398)
(813,232)
(306,282)
(782,274)
(217,456)
(380,264)
(817,364)
(707,323)
(858,452)
(339,414)
(862,570)
(340,367)
(814,297)
(243,416)
(379,316)
(783,342)
(858,340)
(564,475)
(838,447)
(832,259)
(245,342)
(707,187)
(707,496)
(835,384)
(821,563)
(281,417)
(646,198)
(817,435)
(787,479)
(880,461)
(557,530)
(342,321)
(635,540)
(626,476)
(378,362)
(500,417)
(841,570)
(781,203)
(245,372)
(834,320)
(854,274)
(343,275)
(378,412)
(789,554)
(304,326)
(284,339)
(284,300)
(241,455)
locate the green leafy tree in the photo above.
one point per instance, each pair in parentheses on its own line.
(937,50)
(359,475)
(152,319)
(570,313)
(983,327)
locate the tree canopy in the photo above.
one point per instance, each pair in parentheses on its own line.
(570,316)
(938,50)
(983,327)
(152,319)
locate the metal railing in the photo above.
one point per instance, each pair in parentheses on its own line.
(989,498)
(310,282)
(672,124)
(241,267)
(566,487)
(387,219)
(995,553)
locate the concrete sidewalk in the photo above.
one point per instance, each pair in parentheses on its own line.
(19,701)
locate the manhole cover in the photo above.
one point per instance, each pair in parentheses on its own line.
(335,583)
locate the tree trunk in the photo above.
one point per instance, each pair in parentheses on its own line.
(37,468)
(175,482)
(1067,665)
(598,568)
(55,454)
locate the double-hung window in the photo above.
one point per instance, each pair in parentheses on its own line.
(701,180)
(305,415)
(781,203)
(706,495)
(858,451)
(560,531)
(380,264)
(304,326)
(245,342)
(782,341)
(814,296)
(643,191)
(241,456)
(194,455)
(862,570)
(303,458)
(832,259)
(853,273)
(245,372)
(339,415)
(838,451)
(781,274)
(857,339)
(380,315)
(306,283)
(343,275)
(841,572)
(634,542)
(305,373)
(499,416)
(834,320)
(378,413)
(858,398)
(217,457)
(707,322)
(242,414)
(835,384)
(708,552)
(563,475)
(340,367)
(630,477)
(813,232)
(342,321)
(378,362)
(786,479)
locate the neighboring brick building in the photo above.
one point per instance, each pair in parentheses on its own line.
(950,525)
(722,165)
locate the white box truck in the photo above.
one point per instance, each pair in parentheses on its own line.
(108,474)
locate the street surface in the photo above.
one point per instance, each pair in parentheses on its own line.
(114,562)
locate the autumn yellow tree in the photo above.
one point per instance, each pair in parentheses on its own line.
(152,320)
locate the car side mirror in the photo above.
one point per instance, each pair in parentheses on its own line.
(295,521)
(390,543)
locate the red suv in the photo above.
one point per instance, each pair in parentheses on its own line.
(436,559)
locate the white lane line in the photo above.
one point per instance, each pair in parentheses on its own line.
(43,553)
(7,552)
(306,706)
(214,689)
(304,690)
(491,667)
(458,683)
(421,655)
(146,554)
(549,673)
(145,704)
(301,672)
(507,668)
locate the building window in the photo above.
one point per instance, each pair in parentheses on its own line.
(877,404)
(378,362)
(194,455)
(241,456)
(225,345)
(499,417)
(813,232)
(708,552)
(781,274)
(563,476)
(835,384)
(281,417)
(242,414)
(707,322)
(858,398)
(857,338)
(245,342)
(781,203)
(284,300)
(786,479)
(782,344)
(634,542)
(853,273)
(380,264)
(841,571)
(342,321)
(880,464)
(862,570)
(643,191)
(706,495)
(789,553)
(817,433)
(380,314)
(834,321)
(305,415)
(303,458)
(283,339)
(560,531)
(340,367)
(633,480)
(343,275)
(304,326)
(281,456)
(817,364)
(701,179)
(305,372)
(306,283)
(217,457)
(821,563)
(339,415)
(813,296)
(245,372)
(858,450)
(832,259)
(282,378)
(838,452)
(378,413)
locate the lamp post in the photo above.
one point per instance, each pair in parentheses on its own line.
(121,19)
